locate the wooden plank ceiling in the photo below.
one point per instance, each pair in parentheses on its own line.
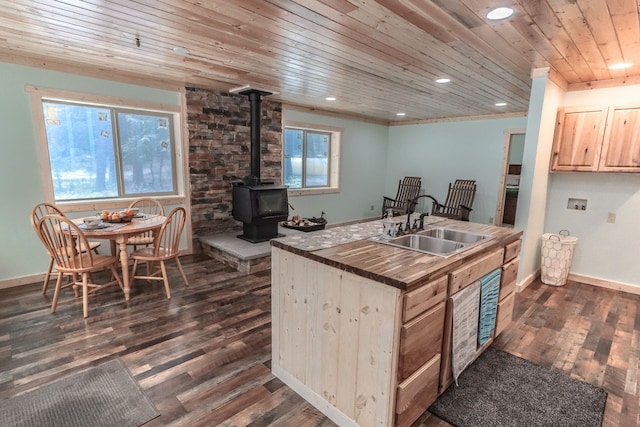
(377,57)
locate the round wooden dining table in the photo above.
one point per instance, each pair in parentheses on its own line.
(119,234)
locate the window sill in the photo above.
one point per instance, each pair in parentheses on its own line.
(312,191)
(113,204)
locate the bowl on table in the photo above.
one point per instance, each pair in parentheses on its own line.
(92,221)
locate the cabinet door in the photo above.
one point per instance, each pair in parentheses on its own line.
(621,147)
(578,138)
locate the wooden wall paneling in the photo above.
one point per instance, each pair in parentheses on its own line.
(330,300)
(298,308)
(549,25)
(349,310)
(596,12)
(314,336)
(571,17)
(378,328)
(624,15)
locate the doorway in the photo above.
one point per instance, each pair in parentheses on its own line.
(510,178)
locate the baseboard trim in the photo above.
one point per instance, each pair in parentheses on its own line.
(21,281)
(527,281)
(602,283)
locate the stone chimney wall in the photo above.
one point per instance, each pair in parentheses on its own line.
(219,154)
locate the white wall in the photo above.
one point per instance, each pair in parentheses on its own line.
(362,170)
(532,195)
(517,149)
(442,152)
(604,251)
(21,253)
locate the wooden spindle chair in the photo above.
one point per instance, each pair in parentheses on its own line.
(408,189)
(166,246)
(459,200)
(40,210)
(62,237)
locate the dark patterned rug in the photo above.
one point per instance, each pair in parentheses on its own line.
(105,395)
(500,389)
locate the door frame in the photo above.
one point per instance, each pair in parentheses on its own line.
(502,186)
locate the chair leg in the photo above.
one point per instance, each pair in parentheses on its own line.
(85,295)
(56,293)
(116,276)
(47,276)
(184,277)
(165,278)
(133,272)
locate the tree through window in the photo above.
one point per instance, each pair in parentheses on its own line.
(100,152)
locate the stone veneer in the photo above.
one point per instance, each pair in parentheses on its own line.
(220,154)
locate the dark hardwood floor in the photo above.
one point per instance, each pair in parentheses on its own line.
(203,357)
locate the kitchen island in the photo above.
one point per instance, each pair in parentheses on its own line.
(362,330)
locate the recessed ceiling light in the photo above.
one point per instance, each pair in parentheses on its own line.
(620,66)
(330,98)
(501,104)
(443,80)
(499,13)
(401,114)
(181,50)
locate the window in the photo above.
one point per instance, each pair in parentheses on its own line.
(311,159)
(94,150)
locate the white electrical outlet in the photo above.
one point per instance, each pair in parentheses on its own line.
(611,217)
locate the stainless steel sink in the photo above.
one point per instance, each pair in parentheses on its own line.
(437,241)
(426,244)
(454,235)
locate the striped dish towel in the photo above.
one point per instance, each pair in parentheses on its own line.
(465,328)
(489,292)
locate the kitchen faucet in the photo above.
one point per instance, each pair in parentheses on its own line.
(412,206)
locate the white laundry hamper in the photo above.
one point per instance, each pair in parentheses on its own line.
(557,254)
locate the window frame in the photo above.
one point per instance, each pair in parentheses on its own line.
(40,95)
(334,158)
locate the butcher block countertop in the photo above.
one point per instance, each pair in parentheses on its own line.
(348,248)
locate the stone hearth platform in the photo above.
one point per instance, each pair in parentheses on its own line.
(250,257)
(245,256)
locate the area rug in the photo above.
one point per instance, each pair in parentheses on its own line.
(500,389)
(105,395)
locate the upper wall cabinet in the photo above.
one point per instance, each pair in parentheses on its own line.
(597,139)
(578,138)
(621,145)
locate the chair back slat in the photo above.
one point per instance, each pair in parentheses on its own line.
(168,238)
(148,205)
(62,239)
(42,209)
(461,193)
(408,189)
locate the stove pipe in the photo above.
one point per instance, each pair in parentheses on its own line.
(255,99)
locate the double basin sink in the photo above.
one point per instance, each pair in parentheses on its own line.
(438,241)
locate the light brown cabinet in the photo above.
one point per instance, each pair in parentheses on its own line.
(597,139)
(367,346)
(420,350)
(621,146)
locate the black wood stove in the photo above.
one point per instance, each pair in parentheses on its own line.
(261,206)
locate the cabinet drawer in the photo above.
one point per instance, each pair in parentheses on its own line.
(422,299)
(420,340)
(472,271)
(512,250)
(508,279)
(417,393)
(505,312)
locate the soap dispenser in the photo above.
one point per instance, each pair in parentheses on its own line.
(388,226)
